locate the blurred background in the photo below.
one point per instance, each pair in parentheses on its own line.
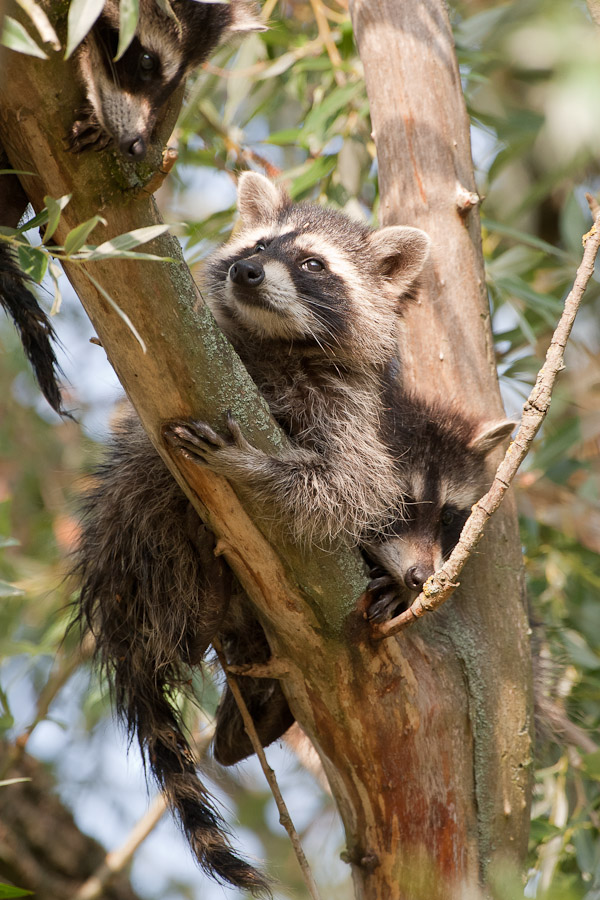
(292,101)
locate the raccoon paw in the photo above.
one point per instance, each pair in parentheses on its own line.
(87,133)
(386,602)
(195,440)
(202,444)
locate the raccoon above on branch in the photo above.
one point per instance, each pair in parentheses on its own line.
(123,101)
(310,300)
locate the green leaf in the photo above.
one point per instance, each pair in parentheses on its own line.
(41,22)
(119,312)
(82,15)
(7,891)
(54,207)
(335,101)
(9,590)
(129,12)
(40,219)
(16,38)
(56,272)
(17,172)
(33,261)
(128,240)
(530,239)
(284,137)
(92,256)
(77,237)
(321,167)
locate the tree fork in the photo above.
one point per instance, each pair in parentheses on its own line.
(426,773)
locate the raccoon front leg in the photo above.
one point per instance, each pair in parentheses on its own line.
(307,490)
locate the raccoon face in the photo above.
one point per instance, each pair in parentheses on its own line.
(304,273)
(444,474)
(125,95)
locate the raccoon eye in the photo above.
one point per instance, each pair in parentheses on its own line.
(260,247)
(312,265)
(448,517)
(148,64)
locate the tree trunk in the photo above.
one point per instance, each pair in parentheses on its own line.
(41,847)
(421,130)
(430,779)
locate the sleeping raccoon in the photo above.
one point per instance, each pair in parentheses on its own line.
(310,301)
(125,96)
(443,472)
(123,100)
(443,454)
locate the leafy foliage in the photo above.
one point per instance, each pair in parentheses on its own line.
(292,102)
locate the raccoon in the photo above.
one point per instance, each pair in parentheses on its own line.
(125,96)
(123,100)
(443,454)
(310,300)
(442,472)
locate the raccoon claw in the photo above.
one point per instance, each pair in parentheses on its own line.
(385,608)
(196,440)
(386,599)
(236,433)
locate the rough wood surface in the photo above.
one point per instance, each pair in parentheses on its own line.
(480,679)
(421,763)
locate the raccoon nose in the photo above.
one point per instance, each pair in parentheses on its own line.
(135,148)
(246,272)
(415,577)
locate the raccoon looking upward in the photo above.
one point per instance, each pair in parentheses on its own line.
(310,301)
(124,96)
(123,99)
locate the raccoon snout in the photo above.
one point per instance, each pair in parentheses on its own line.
(133,147)
(416,576)
(247,273)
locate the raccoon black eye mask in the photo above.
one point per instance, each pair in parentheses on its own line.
(124,96)
(444,472)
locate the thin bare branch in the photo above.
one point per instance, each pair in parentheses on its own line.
(284,816)
(327,38)
(115,861)
(440,586)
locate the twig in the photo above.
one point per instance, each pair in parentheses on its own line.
(115,861)
(329,43)
(440,586)
(284,816)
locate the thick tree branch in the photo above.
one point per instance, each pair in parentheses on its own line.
(442,585)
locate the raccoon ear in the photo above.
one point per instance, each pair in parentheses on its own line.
(489,435)
(401,253)
(259,200)
(244,17)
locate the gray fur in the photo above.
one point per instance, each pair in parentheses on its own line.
(444,472)
(125,96)
(322,372)
(151,590)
